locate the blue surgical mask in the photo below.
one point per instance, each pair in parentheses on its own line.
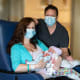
(50,21)
(30,33)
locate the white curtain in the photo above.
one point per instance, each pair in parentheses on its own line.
(4,9)
(16,10)
(11,10)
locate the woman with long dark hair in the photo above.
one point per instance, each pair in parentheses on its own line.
(22,45)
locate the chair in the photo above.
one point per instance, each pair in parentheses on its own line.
(6,31)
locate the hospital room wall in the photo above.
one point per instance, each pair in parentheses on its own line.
(75,37)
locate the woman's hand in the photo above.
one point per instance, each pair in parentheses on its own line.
(41,64)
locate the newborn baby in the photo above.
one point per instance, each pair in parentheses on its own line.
(54,62)
(53,59)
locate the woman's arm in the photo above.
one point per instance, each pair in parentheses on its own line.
(18,66)
(21,68)
(24,67)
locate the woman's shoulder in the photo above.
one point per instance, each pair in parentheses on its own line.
(17,45)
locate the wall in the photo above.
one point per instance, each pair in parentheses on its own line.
(35,8)
(75,38)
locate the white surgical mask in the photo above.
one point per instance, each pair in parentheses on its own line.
(50,21)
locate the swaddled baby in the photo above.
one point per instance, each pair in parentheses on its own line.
(51,56)
(55,60)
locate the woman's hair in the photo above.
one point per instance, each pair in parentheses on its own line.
(19,33)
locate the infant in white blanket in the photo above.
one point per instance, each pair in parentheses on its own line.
(54,61)
(52,57)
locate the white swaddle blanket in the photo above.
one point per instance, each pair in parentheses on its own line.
(70,64)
